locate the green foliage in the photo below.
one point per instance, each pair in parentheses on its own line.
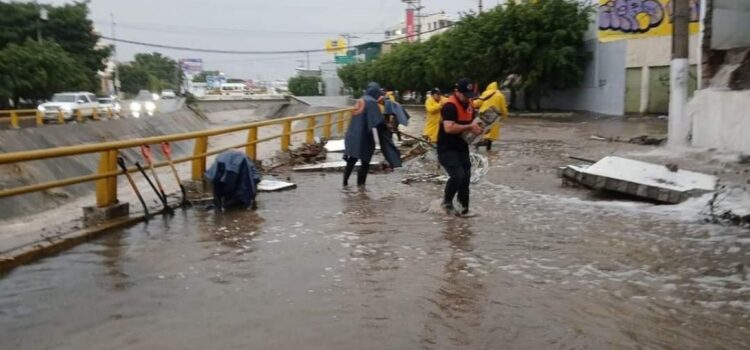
(304,86)
(35,71)
(538,41)
(152,72)
(67,26)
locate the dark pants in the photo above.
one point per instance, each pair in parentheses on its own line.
(458,167)
(364,168)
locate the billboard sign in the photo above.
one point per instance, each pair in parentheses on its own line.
(344,59)
(631,19)
(191,66)
(215,81)
(336,46)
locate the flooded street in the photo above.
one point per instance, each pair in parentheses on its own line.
(320,267)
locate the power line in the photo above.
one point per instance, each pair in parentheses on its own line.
(241,52)
(182,29)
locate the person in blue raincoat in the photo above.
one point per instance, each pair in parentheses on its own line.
(235,180)
(360,142)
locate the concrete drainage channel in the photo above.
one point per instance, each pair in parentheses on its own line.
(17,207)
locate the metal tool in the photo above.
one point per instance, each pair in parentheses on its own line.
(149,158)
(121,163)
(163,200)
(167,150)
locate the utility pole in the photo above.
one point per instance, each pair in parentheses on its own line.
(679,126)
(480,6)
(115,70)
(308,59)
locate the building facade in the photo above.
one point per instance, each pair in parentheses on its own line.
(426,27)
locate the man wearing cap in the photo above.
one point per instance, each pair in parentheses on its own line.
(453,152)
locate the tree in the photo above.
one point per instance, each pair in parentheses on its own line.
(67,25)
(305,86)
(538,42)
(35,71)
(150,71)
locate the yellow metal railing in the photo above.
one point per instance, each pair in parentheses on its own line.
(15,116)
(106,176)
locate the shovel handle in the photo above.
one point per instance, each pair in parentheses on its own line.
(121,163)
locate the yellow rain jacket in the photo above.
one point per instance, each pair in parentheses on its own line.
(432,119)
(391,95)
(492,97)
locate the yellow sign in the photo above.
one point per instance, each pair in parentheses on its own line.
(631,19)
(336,46)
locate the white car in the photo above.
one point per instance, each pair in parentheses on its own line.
(143,103)
(168,94)
(107,104)
(69,103)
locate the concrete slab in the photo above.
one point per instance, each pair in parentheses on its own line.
(646,180)
(327,166)
(337,146)
(275,185)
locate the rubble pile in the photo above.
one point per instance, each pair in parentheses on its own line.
(308,153)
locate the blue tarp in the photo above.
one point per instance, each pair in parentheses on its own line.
(234,179)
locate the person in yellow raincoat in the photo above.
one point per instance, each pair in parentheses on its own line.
(432,105)
(492,97)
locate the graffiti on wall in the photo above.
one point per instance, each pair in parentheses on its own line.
(628,19)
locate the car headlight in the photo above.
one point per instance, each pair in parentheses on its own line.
(117,107)
(150,106)
(41,109)
(135,107)
(155,96)
(66,109)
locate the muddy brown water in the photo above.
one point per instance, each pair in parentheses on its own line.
(320,267)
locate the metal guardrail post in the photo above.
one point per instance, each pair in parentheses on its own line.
(79,115)
(199,164)
(14,120)
(327,128)
(60,117)
(286,137)
(340,124)
(95,113)
(39,118)
(310,139)
(252,148)
(106,189)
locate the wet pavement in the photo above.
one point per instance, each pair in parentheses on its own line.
(322,267)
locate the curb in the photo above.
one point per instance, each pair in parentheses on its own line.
(52,245)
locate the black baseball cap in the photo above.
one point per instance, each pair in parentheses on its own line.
(466,87)
(435,91)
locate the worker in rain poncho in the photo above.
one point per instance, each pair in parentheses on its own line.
(360,140)
(492,97)
(432,120)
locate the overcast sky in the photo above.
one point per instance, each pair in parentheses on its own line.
(252,25)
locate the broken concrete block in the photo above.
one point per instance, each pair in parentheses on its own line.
(640,179)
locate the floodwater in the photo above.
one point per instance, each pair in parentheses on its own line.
(541,267)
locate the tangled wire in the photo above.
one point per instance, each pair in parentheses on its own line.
(426,168)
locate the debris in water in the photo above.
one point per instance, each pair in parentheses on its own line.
(640,179)
(308,153)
